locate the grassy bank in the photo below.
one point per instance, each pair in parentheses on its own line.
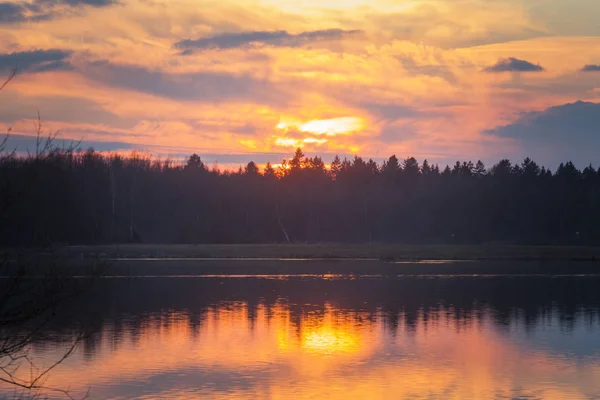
(387,252)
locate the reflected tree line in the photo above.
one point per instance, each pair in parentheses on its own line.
(88,197)
(123,309)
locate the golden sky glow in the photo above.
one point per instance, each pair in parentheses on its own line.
(250,79)
(328,353)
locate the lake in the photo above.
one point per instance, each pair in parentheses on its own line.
(330,337)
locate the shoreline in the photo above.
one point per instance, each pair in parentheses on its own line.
(341,252)
(354,261)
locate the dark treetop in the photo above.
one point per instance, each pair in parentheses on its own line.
(69,197)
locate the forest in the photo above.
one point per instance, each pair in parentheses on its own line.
(59,196)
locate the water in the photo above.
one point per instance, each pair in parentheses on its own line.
(316,337)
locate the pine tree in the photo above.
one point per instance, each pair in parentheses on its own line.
(297,162)
(269,171)
(425,168)
(479,171)
(335,168)
(251,169)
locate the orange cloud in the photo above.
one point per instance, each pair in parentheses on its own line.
(376,77)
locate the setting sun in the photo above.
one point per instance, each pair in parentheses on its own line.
(328,127)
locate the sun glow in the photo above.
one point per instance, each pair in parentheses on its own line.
(321,335)
(328,127)
(291,142)
(287,142)
(316,132)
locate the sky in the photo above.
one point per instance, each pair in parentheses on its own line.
(240,80)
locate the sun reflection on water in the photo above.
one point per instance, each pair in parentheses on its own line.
(306,351)
(329,340)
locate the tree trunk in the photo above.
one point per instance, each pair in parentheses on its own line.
(113,192)
(287,238)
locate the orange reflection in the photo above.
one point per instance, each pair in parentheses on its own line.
(321,334)
(283,352)
(329,341)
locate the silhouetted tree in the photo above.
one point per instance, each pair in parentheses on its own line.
(336,168)
(252,169)
(194,162)
(111,198)
(479,170)
(269,171)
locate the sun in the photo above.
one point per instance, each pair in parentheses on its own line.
(328,127)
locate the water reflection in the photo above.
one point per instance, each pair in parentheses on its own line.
(476,338)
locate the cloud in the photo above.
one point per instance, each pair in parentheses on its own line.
(389,111)
(41,10)
(398,131)
(21,12)
(26,143)
(195,86)
(271,38)
(75,3)
(447,24)
(36,60)
(415,69)
(514,65)
(60,109)
(560,133)
(12,12)
(591,68)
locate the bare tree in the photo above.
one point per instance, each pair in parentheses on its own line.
(28,303)
(4,141)
(31,289)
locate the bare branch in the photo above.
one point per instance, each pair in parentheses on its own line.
(10,77)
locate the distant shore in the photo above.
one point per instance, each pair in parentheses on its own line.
(384,252)
(344,260)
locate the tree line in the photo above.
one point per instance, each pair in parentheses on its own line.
(86,197)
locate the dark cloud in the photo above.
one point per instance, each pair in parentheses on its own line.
(591,68)
(36,60)
(75,3)
(514,65)
(12,12)
(41,10)
(259,158)
(197,86)
(27,144)
(561,133)
(271,38)
(573,85)
(24,143)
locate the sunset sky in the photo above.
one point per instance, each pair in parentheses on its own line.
(235,80)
